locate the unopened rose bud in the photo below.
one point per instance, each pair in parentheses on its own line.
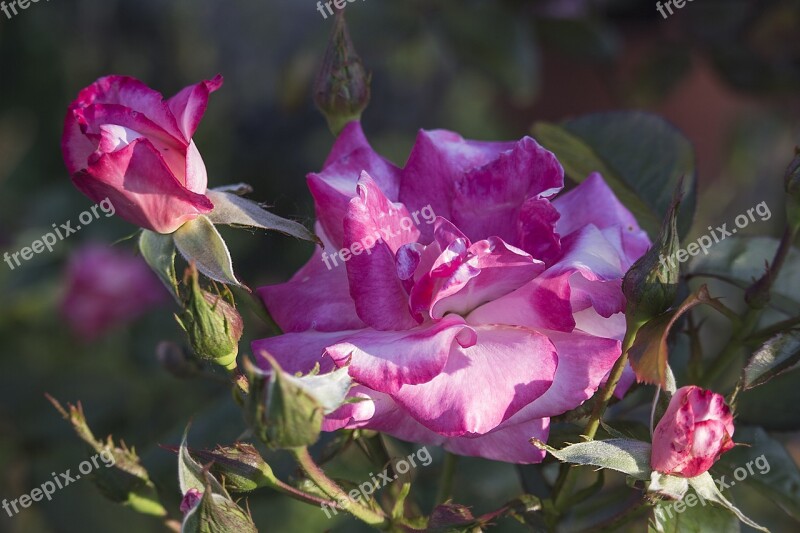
(342,86)
(651,284)
(286,411)
(215,513)
(212,323)
(240,466)
(695,430)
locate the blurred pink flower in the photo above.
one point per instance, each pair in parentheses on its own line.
(124,142)
(469,328)
(107,287)
(696,429)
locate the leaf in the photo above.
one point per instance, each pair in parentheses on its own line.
(191,475)
(631,457)
(671,487)
(650,353)
(200,242)
(641,156)
(774,473)
(579,160)
(778,355)
(231,209)
(674,517)
(159,252)
(707,490)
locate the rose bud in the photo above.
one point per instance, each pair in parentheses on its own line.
(124,142)
(214,512)
(341,89)
(240,466)
(190,500)
(651,284)
(695,430)
(212,323)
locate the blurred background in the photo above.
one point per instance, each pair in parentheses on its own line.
(727,73)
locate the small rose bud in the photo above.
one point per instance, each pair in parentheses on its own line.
(342,86)
(191,500)
(286,411)
(240,466)
(212,323)
(695,430)
(651,284)
(215,512)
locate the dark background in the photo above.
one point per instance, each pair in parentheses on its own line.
(725,72)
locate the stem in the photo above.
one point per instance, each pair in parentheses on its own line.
(329,487)
(446,481)
(631,513)
(567,477)
(298,494)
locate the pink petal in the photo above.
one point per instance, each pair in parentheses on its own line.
(439,158)
(141,188)
(379,228)
(386,360)
(583,363)
(593,202)
(488,200)
(333,188)
(189,105)
(299,352)
(484,384)
(536,229)
(317,297)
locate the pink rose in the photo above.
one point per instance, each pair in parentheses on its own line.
(696,429)
(469,304)
(107,287)
(123,141)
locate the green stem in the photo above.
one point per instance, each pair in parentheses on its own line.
(568,476)
(446,482)
(329,487)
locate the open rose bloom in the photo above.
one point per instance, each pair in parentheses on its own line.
(470,331)
(122,140)
(695,430)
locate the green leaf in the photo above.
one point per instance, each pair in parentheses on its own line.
(200,242)
(774,472)
(631,457)
(649,353)
(671,487)
(778,355)
(675,517)
(191,475)
(640,155)
(707,489)
(231,209)
(159,252)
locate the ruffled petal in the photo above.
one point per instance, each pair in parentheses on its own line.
(333,188)
(484,384)
(189,105)
(317,297)
(375,229)
(387,360)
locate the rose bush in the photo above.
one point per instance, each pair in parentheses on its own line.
(123,141)
(695,430)
(473,331)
